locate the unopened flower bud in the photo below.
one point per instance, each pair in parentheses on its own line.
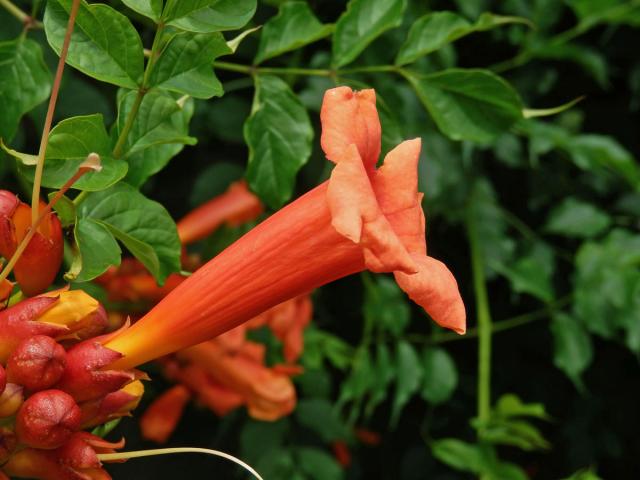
(3,379)
(84,376)
(11,400)
(37,363)
(47,419)
(113,405)
(21,321)
(79,458)
(78,311)
(40,261)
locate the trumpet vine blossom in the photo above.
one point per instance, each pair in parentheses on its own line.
(361,218)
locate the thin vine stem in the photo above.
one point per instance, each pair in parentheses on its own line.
(44,141)
(142,91)
(106,457)
(484,321)
(16,11)
(316,72)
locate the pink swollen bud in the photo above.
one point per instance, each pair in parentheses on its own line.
(47,419)
(37,363)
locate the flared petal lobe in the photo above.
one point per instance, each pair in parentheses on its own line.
(350,118)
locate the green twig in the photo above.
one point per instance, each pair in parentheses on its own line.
(154,54)
(18,13)
(484,321)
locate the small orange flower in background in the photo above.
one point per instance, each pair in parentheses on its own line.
(39,263)
(362,218)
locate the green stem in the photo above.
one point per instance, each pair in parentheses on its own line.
(316,72)
(80,197)
(484,322)
(142,91)
(128,124)
(15,11)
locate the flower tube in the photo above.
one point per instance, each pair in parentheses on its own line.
(361,218)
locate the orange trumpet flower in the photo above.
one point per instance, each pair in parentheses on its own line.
(362,218)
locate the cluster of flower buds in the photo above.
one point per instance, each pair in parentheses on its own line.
(52,387)
(39,263)
(230,371)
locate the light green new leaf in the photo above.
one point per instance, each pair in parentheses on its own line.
(159,132)
(472,104)
(104,45)
(279,135)
(25,82)
(440,376)
(575,218)
(573,351)
(409,374)
(185,65)
(148,8)
(142,225)
(98,250)
(70,141)
(294,26)
(208,16)
(510,405)
(584,474)
(362,23)
(437,29)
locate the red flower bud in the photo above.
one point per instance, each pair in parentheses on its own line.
(11,400)
(3,379)
(20,322)
(84,378)
(40,261)
(78,456)
(111,406)
(37,363)
(47,419)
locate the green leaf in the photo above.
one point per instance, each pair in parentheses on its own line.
(142,225)
(98,250)
(148,8)
(610,268)
(509,405)
(185,65)
(385,372)
(65,209)
(593,152)
(293,27)
(437,29)
(575,218)
(515,433)
(318,465)
(259,439)
(208,16)
(25,82)
(584,474)
(408,379)
(385,305)
(104,429)
(440,376)
(279,135)
(471,104)
(461,455)
(361,23)
(104,45)
(319,415)
(573,351)
(593,12)
(531,273)
(213,181)
(70,141)
(159,132)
